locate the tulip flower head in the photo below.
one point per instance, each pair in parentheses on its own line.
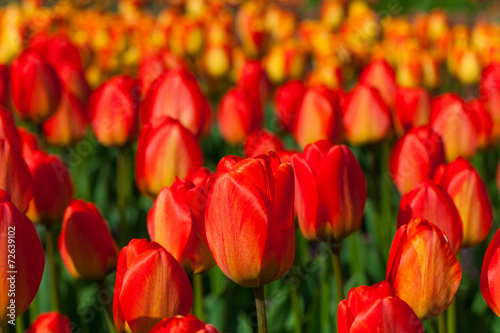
(180,324)
(490,274)
(50,322)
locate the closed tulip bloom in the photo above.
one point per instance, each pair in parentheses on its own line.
(8,130)
(376,309)
(36,90)
(173,221)
(252,77)
(52,187)
(469,67)
(29,259)
(318,117)
(67,126)
(366,117)
(239,114)
(15,177)
(51,322)
(166,150)
(431,202)
(469,192)
(150,286)
(114,111)
(453,122)
(87,248)
(176,94)
(181,324)
(412,109)
(422,268)
(261,142)
(249,219)
(490,90)
(380,75)
(490,273)
(482,121)
(415,157)
(330,191)
(287,101)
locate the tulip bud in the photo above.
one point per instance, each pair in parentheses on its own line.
(187,324)
(412,109)
(378,308)
(239,114)
(431,202)
(332,13)
(252,77)
(482,121)
(50,322)
(415,157)
(67,126)
(8,130)
(252,201)
(261,142)
(187,36)
(176,94)
(145,271)
(327,72)
(280,23)
(113,110)
(166,150)
(285,61)
(366,118)
(490,90)
(468,69)
(330,191)
(422,268)
(87,248)
(490,273)
(173,222)
(470,195)
(409,70)
(380,75)
(217,60)
(29,260)
(318,117)
(250,28)
(431,75)
(287,101)
(453,122)
(36,90)
(15,177)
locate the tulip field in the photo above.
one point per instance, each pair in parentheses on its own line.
(194,166)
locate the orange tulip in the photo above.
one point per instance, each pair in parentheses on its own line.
(412,109)
(380,75)
(22,259)
(87,248)
(50,322)
(422,268)
(490,273)
(252,201)
(187,324)
(166,150)
(145,272)
(378,308)
(330,191)
(469,192)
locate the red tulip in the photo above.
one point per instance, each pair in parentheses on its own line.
(482,121)
(366,117)
(252,201)
(318,117)
(180,324)
(150,286)
(431,202)
(330,191)
(166,150)
(15,177)
(113,110)
(422,268)
(173,221)
(36,90)
(469,192)
(87,248)
(253,79)
(376,309)
(415,157)
(67,126)
(380,75)
(4,86)
(287,101)
(454,123)
(8,130)
(50,322)
(412,108)
(239,114)
(22,259)
(490,273)
(176,94)
(261,142)
(152,67)
(490,90)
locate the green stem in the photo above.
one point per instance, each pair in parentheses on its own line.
(451,317)
(19,324)
(260,303)
(122,187)
(34,309)
(386,204)
(199,310)
(108,307)
(337,270)
(297,313)
(50,244)
(325,301)
(442,323)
